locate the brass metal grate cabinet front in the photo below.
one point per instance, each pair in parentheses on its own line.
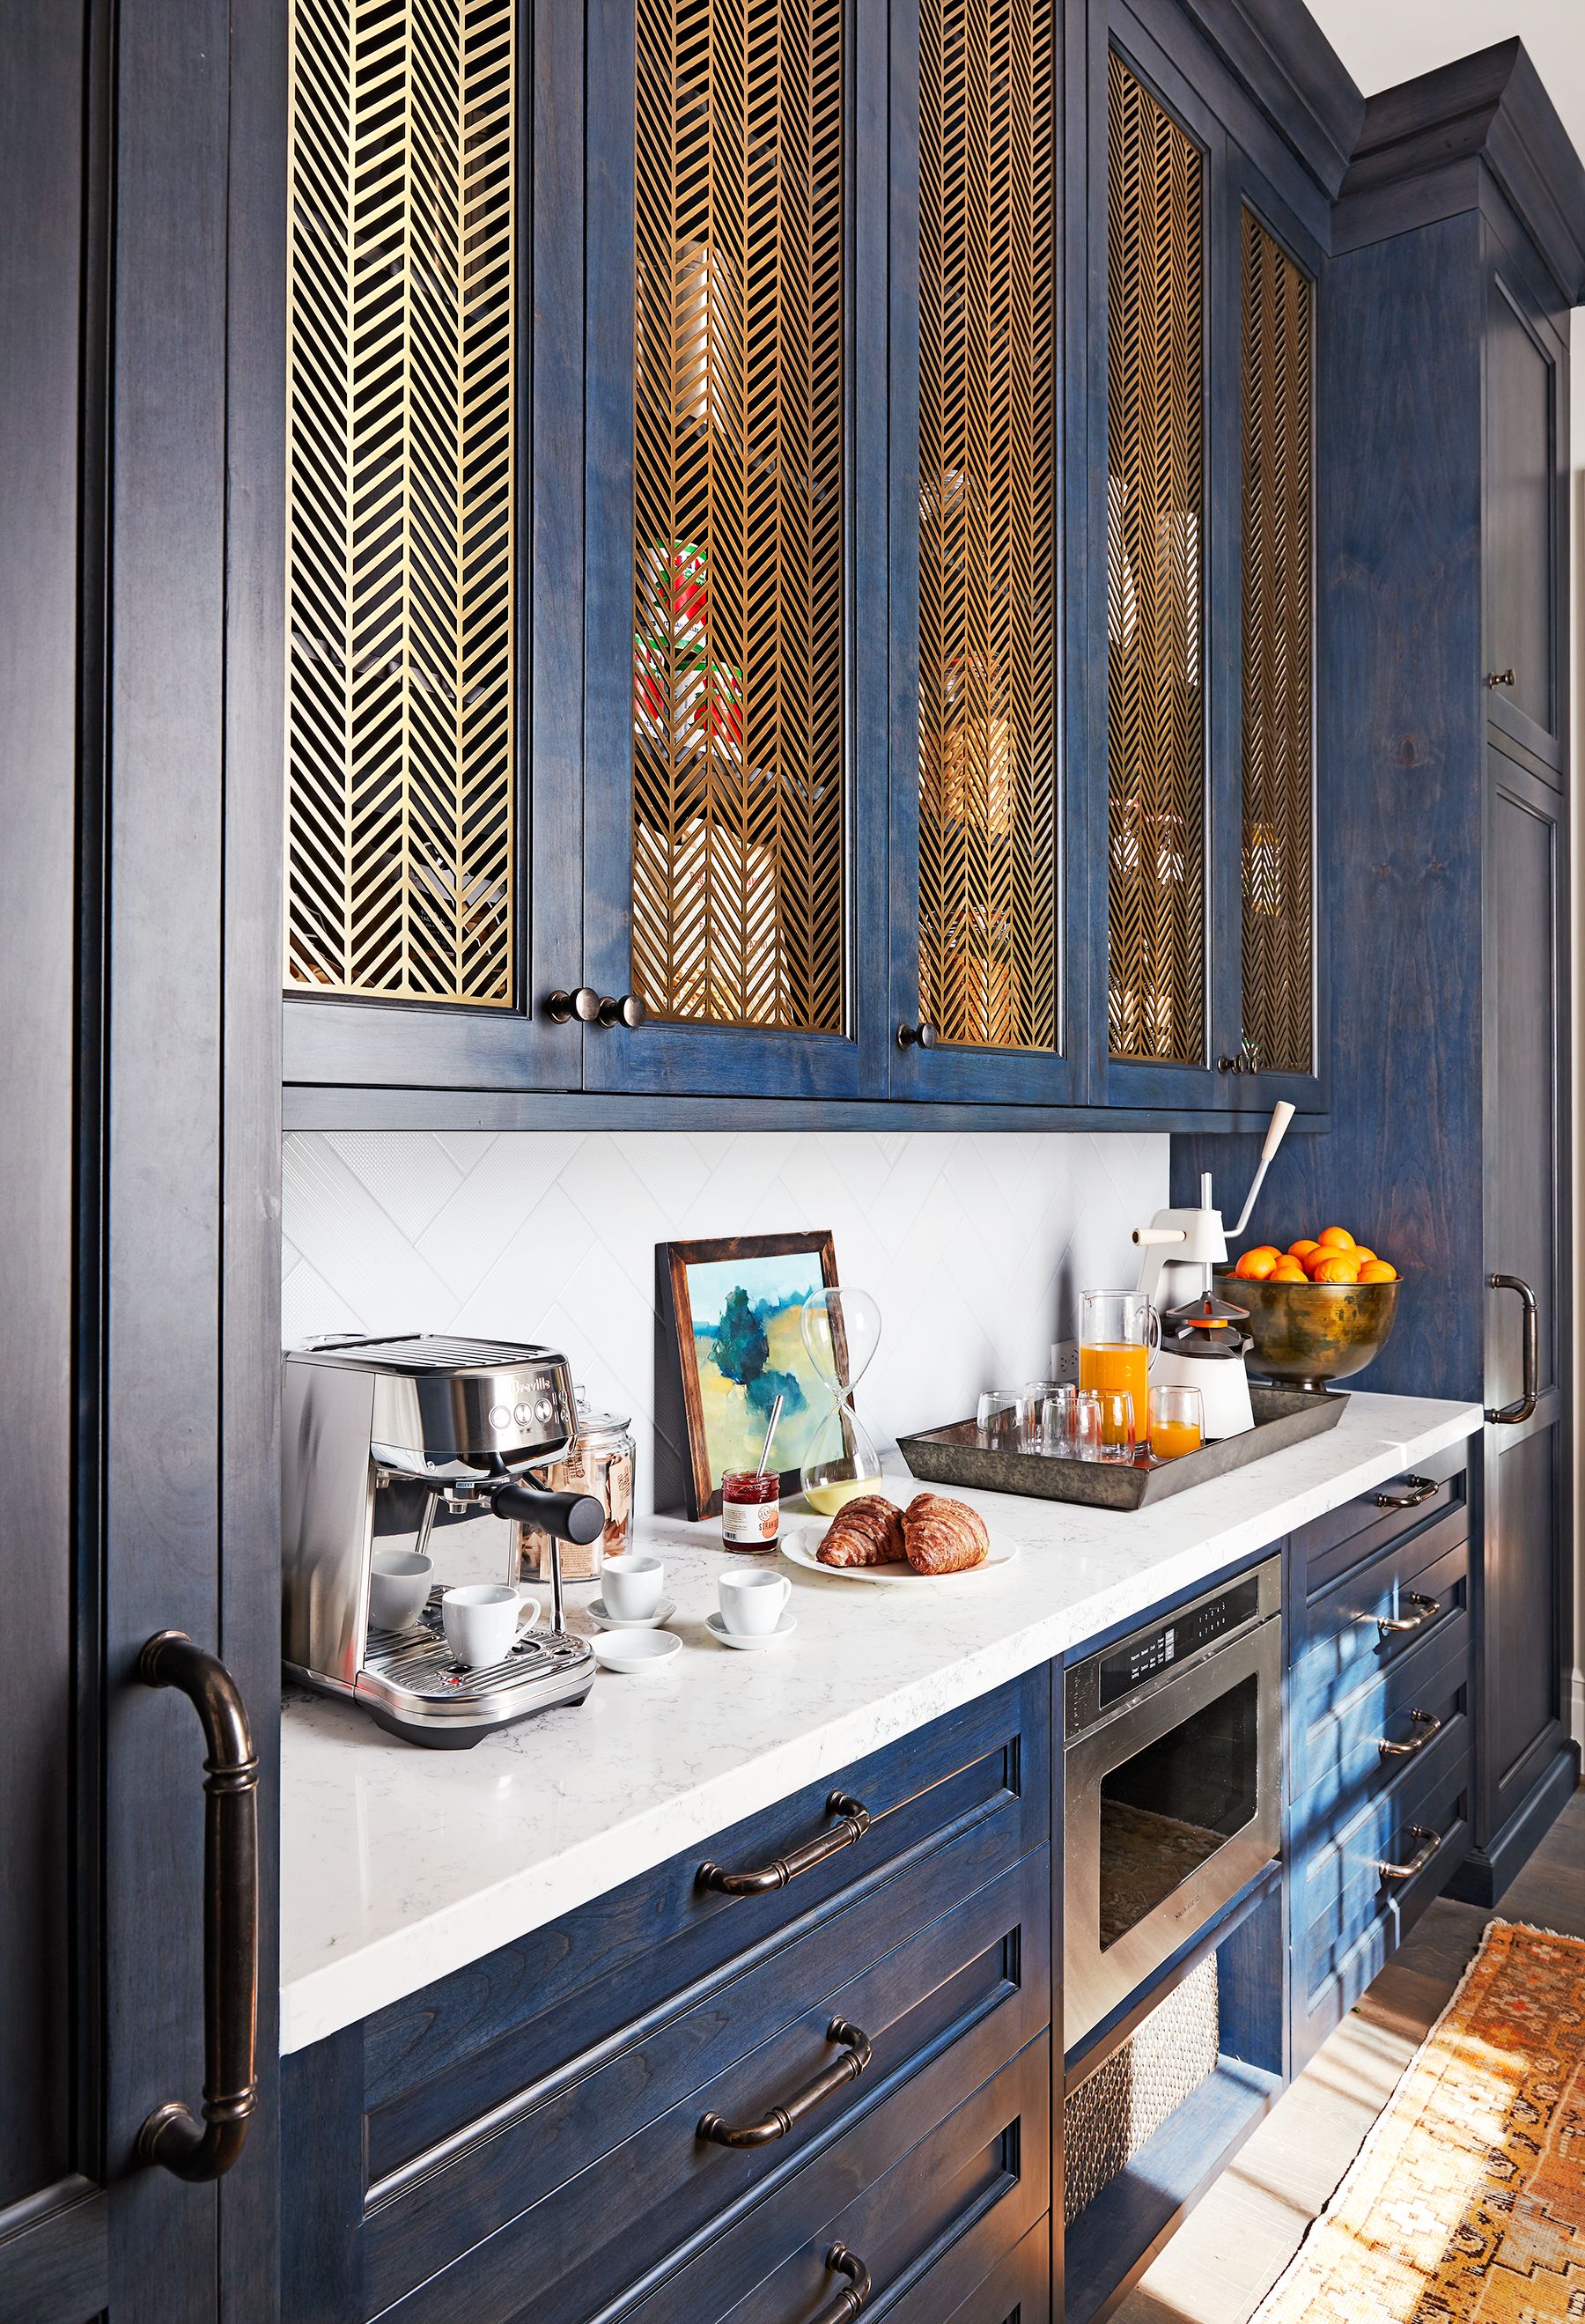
(988,464)
(1155,579)
(1278,639)
(738,872)
(399,502)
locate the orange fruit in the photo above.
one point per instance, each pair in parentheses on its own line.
(1340,1268)
(1313,1259)
(1336,1238)
(1256,1265)
(1363,1255)
(1303,1247)
(1287,1270)
(1378,1271)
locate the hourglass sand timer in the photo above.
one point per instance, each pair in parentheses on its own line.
(841,1330)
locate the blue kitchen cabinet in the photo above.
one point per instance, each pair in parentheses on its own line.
(681,2100)
(783,759)
(1458,248)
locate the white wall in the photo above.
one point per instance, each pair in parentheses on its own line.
(976,1245)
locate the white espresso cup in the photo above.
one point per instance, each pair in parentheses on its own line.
(483,1620)
(751,1604)
(399,1580)
(631,1585)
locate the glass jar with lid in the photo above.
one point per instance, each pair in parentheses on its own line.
(599,1460)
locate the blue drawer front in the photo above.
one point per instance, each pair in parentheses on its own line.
(1343,1641)
(601,2181)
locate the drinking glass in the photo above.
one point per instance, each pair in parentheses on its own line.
(1117,1423)
(1087,1424)
(1119,1334)
(1177,1422)
(1051,1417)
(1001,1417)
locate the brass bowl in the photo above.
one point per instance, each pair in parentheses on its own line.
(1307,1334)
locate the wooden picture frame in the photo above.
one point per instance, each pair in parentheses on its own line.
(678,1261)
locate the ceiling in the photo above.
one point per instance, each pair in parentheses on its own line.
(1383,41)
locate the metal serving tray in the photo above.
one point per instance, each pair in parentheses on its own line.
(953,1456)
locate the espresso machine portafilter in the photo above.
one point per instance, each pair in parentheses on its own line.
(378,1436)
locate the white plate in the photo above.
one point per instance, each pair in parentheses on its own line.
(635,1650)
(606,1620)
(750,1642)
(800,1547)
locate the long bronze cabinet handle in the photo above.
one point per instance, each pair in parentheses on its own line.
(1430,1841)
(846,2304)
(854,1824)
(171,2135)
(780,2119)
(1509,1414)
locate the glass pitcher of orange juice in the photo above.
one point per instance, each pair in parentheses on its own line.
(1119,1333)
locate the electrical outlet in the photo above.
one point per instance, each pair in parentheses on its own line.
(1065,1360)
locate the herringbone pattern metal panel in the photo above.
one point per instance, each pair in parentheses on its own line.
(987,452)
(400,505)
(739,876)
(1154,581)
(1278,632)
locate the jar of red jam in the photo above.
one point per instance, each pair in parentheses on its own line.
(751,1509)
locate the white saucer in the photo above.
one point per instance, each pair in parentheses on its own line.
(602,1615)
(635,1650)
(750,1641)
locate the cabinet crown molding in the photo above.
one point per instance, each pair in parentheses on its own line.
(1286,64)
(1490,107)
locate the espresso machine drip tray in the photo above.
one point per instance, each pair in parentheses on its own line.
(411,1684)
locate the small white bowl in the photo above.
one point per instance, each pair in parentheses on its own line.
(601,1615)
(635,1650)
(750,1641)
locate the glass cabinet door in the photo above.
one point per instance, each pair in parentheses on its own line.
(406,812)
(978,441)
(1212,999)
(1279,1025)
(727,896)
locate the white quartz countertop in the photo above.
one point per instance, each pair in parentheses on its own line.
(399,1865)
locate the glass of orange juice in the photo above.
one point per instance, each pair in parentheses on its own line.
(1119,1333)
(1177,1422)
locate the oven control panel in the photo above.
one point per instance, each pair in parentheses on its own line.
(1093,1686)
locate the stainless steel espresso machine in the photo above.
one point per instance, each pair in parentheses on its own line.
(378,1436)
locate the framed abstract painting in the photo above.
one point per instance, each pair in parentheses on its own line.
(733,1316)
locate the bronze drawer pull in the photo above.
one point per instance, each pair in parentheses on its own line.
(1420,1490)
(1496,677)
(1429,1729)
(1394,1625)
(171,2135)
(847,2304)
(854,1824)
(1430,1841)
(826,2084)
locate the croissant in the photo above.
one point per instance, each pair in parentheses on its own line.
(866,1531)
(944,1536)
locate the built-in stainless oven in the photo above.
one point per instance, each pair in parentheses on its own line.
(1173,1756)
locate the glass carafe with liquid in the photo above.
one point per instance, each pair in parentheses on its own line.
(1119,1334)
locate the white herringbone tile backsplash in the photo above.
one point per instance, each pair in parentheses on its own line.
(976,1244)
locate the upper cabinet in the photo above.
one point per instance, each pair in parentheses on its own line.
(1213,260)
(801,538)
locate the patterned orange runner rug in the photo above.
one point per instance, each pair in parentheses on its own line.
(1466,2205)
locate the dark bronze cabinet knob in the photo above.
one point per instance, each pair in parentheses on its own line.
(585,1005)
(1509,677)
(622,1009)
(922,1035)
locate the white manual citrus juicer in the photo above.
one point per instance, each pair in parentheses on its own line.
(1202,1346)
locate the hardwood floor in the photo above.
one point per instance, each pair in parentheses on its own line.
(1222,2263)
